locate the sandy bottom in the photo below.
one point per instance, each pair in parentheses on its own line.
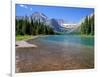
(51,57)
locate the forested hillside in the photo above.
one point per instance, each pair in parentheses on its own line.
(87,26)
(25,27)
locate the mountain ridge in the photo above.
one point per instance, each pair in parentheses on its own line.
(37,16)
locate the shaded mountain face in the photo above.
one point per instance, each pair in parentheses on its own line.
(54,23)
(61,22)
(37,16)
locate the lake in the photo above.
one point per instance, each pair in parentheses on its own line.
(68,39)
(56,52)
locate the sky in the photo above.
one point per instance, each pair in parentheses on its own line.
(68,14)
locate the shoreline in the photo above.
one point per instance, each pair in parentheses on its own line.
(23,43)
(25,37)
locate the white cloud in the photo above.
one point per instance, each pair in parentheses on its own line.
(24,6)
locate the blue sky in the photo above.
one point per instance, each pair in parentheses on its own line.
(69,14)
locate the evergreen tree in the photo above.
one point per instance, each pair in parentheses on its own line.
(87,27)
(24,26)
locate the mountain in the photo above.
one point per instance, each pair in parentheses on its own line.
(60,22)
(87,27)
(37,16)
(55,25)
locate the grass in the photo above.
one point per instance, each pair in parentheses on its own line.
(23,37)
(92,36)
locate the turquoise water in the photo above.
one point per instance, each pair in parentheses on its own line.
(68,39)
(56,52)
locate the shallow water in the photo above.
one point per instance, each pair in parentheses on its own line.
(56,52)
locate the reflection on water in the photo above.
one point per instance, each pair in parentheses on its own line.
(56,52)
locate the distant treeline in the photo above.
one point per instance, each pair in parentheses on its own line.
(87,27)
(26,27)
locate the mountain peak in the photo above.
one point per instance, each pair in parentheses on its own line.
(39,14)
(41,17)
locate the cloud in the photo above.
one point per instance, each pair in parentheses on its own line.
(24,6)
